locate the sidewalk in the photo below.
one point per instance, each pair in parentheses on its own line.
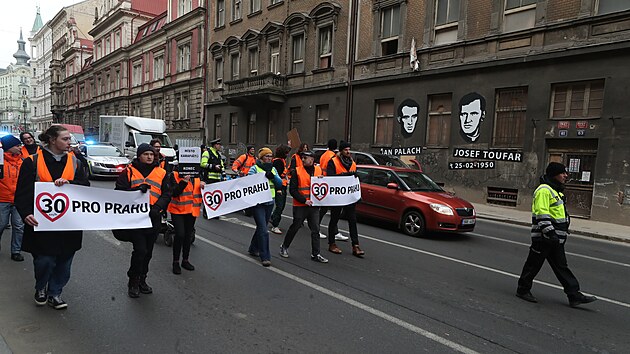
(578,226)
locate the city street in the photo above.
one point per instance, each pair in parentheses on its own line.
(438,294)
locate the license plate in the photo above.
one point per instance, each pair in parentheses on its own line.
(468,222)
(113,170)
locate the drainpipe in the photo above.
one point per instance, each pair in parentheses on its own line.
(204,71)
(351,58)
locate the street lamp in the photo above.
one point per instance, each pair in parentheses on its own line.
(24,128)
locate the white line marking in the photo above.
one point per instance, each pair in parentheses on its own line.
(498,271)
(406,325)
(569,253)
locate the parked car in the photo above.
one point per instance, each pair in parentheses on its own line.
(410,199)
(366,158)
(104,159)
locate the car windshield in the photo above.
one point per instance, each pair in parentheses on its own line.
(389,161)
(104,151)
(165,142)
(419,182)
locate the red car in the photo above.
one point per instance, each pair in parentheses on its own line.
(410,199)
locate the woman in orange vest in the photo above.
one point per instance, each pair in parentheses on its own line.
(52,251)
(185,207)
(8,182)
(280,164)
(143,175)
(30,147)
(296,159)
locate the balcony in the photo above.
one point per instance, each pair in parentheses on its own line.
(265,88)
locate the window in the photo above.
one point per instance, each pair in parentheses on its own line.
(156,108)
(218,71)
(390,29)
(271,126)
(135,110)
(253,61)
(273,2)
(107,45)
(439,121)
(446,21)
(321,127)
(99,85)
(510,117)
(184,6)
(117,43)
(382,177)
(519,15)
(233,127)
(325,47)
(181,105)
(608,6)
(295,113)
(234,66)
(384,122)
(137,74)
(236,10)
(298,53)
(217,126)
(117,82)
(158,67)
(254,6)
(183,57)
(274,59)
(220,20)
(251,128)
(577,99)
(107,83)
(34,91)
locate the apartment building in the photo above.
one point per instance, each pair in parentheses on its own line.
(41,56)
(15,86)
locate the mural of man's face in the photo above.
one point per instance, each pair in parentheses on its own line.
(470,116)
(409,118)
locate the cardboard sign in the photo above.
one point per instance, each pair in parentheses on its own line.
(335,190)
(71,207)
(189,159)
(237,194)
(293,138)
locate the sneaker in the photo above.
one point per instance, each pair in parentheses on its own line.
(580,299)
(40,297)
(321,235)
(340,237)
(266,263)
(319,259)
(284,252)
(527,296)
(176,268)
(186,265)
(276,230)
(56,302)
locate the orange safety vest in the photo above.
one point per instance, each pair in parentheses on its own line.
(162,163)
(189,202)
(304,183)
(284,174)
(323,160)
(339,168)
(243,163)
(298,163)
(154,179)
(42,174)
(25,153)
(8,183)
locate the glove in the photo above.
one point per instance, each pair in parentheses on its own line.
(144,187)
(154,212)
(551,238)
(269,175)
(217,168)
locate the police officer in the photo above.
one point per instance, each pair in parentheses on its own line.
(550,228)
(212,163)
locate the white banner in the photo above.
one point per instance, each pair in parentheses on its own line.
(335,190)
(229,196)
(72,207)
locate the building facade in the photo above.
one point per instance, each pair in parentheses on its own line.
(41,56)
(15,86)
(491,90)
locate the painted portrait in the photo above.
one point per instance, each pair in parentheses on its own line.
(407,117)
(472,111)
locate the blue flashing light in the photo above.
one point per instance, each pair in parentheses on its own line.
(90,142)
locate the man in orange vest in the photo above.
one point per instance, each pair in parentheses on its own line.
(244,162)
(160,158)
(343,165)
(323,163)
(30,147)
(303,209)
(12,164)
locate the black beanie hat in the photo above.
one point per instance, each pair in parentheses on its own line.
(343,145)
(144,147)
(332,144)
(554,169)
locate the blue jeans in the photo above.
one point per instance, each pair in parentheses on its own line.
(260,240)
(8,210)
(53,271)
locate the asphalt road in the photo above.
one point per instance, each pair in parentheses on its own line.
(441,293)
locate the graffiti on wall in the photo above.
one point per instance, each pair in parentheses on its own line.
(472,111)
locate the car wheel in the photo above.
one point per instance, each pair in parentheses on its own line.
(413,223)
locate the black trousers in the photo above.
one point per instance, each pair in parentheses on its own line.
(184,225)
(311,215)
(351,214)
(554,254)
(143,241)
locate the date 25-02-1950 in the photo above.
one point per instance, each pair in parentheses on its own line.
(471,165)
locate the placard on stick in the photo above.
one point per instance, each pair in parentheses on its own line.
(189,159)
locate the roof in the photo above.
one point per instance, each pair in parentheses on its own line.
(37,24)
(150,27)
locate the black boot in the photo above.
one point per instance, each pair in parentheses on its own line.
(134,287)
(144,287)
